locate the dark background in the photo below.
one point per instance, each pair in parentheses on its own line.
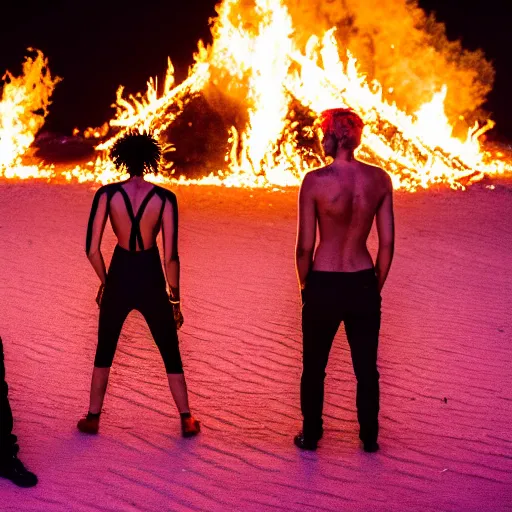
(98,45)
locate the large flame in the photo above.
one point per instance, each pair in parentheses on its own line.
(23,108)
(256,59)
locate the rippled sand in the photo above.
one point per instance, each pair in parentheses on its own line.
(445,361)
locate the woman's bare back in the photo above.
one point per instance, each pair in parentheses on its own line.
(146,207)
(137,211)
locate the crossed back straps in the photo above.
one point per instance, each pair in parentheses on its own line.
(135,234)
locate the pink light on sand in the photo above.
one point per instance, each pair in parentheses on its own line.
(445,334)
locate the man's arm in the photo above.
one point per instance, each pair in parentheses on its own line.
(95,229)
(306,231)
(170,243)
(386,232)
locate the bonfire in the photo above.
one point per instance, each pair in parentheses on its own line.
(252,98)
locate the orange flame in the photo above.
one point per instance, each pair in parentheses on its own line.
(255,58)
(23,108)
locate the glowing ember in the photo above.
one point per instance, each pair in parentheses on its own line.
(280,87)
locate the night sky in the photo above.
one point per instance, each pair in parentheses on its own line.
(96,46)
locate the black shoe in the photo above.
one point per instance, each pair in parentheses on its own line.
(371,446)
(306,442)
(14,470)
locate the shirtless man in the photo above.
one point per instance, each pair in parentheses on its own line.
(339,281)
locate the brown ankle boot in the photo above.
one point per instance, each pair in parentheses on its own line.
(190,427)
(90,424)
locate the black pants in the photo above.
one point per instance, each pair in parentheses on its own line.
(135,280)
(329,299)
(8,446)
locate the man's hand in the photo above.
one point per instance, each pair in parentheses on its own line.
(99,296)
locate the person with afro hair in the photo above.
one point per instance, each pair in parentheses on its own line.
(138,212)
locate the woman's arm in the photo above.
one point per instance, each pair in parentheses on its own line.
(170,243)
(95,229)
(171,257)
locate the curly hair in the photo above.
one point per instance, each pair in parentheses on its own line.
(344,124)
(138,153)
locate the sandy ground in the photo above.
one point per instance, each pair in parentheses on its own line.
(444,356)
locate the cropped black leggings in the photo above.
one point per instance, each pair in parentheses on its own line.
(135,280)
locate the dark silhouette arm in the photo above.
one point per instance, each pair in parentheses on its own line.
(386,232)
(170,243)
(306,231)
(95,229)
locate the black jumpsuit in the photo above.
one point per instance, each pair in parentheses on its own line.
(135,280)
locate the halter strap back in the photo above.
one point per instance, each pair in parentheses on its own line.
(135,233)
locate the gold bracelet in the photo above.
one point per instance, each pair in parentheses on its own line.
(174,302)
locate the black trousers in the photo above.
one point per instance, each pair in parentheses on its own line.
(8,445)
(135,280)
(329,299)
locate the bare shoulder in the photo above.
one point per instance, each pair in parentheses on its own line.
(107,190)
(321,172)
(378,175)
(315,175)
(165,193)
(309,182)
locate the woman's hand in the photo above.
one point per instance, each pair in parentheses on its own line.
(178,315)
(99,296)
(303,294)
(176,309)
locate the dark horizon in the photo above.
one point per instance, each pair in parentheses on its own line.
(85,48)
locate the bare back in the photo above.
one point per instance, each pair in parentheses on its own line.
(137,211)
(146,209)
(347,199)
